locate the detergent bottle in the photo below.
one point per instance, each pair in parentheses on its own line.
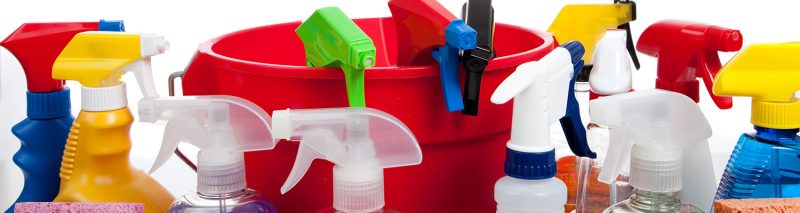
(361,142)
(764,164)
(43,133)
(223,127)
(425,25)
(687,51)
(540,91)
(611,74)
(649,130)
(95,166)
(331,39)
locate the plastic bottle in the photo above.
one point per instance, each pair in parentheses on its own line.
(223,127)
(95,166)
(541,90)
(649,130)
(764,164)
(687,51)
(611,74)
(331,39)
(43,133)
(361,142)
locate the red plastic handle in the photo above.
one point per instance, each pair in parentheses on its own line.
(687,51)
(420,27)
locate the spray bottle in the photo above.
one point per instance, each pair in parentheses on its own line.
(331,39)
(361,142)
(425,25)
(223,127)
(588,22)
(649,131)
(95,166)
(764,164)
(43,133)
(541,91)
(611,75)
(687,51)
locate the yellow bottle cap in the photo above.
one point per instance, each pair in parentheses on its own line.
(770,74)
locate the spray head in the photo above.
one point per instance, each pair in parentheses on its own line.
(588,22)
(360,141)
(541,91)
(649,129)
(687,51)
(36,46)
(479,14)
(331,39)
(423,26)
(611,73)
(766,73)
(223,127)
(459,37)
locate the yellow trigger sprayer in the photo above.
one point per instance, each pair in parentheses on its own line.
(95,166)
(588,23)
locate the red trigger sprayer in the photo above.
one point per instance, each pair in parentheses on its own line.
(687,51)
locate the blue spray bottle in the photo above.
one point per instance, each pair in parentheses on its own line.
(44,131)
(764,164)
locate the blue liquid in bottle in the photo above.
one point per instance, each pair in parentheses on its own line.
(763,165)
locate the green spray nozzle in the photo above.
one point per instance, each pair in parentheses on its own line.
(331,39)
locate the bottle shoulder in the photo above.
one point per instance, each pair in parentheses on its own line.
(626,207)
(249,201)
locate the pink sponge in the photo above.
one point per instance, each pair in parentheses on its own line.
(771,205)
(40,207)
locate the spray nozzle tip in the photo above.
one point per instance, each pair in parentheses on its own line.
(111,25)
(460,35)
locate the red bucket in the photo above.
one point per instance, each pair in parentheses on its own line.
(462,155)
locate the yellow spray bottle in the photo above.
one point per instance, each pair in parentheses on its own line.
(95,166)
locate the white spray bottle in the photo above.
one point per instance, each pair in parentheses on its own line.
(649,131)
(360,141)
(611,74)
(541,92)
(223,127)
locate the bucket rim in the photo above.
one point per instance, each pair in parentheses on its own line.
(205,50)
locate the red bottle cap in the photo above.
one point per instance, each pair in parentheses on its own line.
(37,45)
(687,51)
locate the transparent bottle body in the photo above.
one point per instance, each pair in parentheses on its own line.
(645,202)
(593,195)
(246,200)
(763,165)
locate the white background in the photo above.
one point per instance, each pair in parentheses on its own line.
(187,25)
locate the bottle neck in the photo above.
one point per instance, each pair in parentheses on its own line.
(775,135)
(99,99)
(655,201)
(222,196)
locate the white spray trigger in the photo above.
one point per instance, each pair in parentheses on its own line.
(212,123)
(540,91)
(347,137)
(644,122)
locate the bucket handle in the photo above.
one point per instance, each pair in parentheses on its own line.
(171,85)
